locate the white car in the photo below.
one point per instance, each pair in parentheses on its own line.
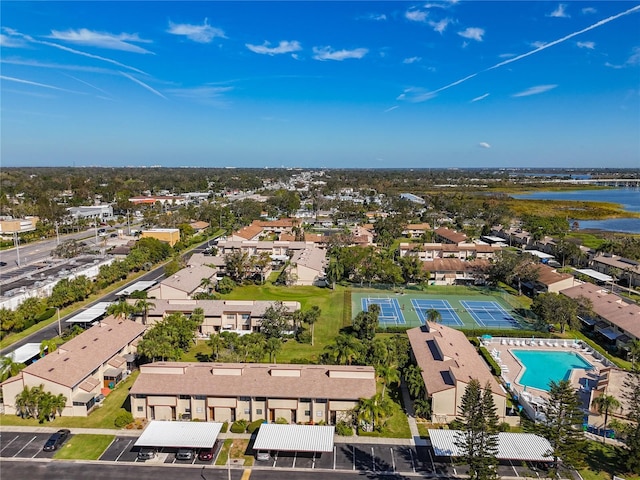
(263,456)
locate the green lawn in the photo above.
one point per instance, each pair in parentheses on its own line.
(603,462)
(331,303)
(84,447)
(101,417)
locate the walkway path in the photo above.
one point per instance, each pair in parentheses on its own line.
(413,425)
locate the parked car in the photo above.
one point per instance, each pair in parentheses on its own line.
(56,440)
(146,454)
(263,456)
(205,454)
(184,454)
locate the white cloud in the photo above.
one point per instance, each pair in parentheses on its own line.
(560,12)
(204,33)
(283,47)
(376,17)
(83,36)
(207,95)
(411,60)
(416,95)
(415,15)
(481,97)
(36,84)
(538,45)
(587,45)
(8,41)
(538,89)
(632,61)
(484,145)
(440,26)
(327,53)
(390,109)
(472,33)
(588,10)
(143,85)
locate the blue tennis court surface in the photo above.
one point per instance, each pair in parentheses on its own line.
(448,314)
(489,314)
(390,312)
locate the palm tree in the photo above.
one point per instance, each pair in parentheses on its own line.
(207,284)
(388,374)
(344,350)
(414,381)
(143,306)
(373,411)
(9,368)
(634,353)
(216,342)
(49,345)
(434,315)
(311,316)
(273,346)
(604,404)
(120,310)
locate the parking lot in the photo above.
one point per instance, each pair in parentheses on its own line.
(358,457)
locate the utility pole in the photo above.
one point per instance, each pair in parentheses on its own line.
(57,234)
(16,241)
(59,327)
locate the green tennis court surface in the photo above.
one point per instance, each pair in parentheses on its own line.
(412,309)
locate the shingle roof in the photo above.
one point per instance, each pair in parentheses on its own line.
(256,379)
(189,279)
(215,308)
(74,361)
(446,356)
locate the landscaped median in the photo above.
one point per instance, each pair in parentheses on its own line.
(84,447)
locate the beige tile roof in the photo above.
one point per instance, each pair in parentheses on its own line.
(452,265)
(189,279)
(548,275)
(313,258)
(609,306)
(451,235)
(446,357)
(216,308)
(74,361)
(256,380)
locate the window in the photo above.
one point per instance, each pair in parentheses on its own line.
(231,317)
(318,413)
(187,410)
(258,411)
(199,397)
(245,316)
(307,413)
(245,399)
(261,399)
(141,409)
(247,411)
(184,397)
(305,400)
(321,400)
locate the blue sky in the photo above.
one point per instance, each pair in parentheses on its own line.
(321,84)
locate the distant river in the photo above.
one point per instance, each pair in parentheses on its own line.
(629,198)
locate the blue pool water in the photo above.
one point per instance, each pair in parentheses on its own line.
(541,367)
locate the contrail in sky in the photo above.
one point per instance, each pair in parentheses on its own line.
(543,47)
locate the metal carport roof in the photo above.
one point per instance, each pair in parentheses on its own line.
(179,434)
(295,438)
(90,314)
(140,286)
(511,446)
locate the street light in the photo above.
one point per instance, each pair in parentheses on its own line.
(59,327)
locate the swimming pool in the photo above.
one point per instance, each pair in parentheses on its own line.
(541,367)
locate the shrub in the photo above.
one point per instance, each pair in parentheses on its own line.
(225,285)
(474,341)
(504,427)
(123,418)
(239,426)
(225,427)
(254,426)
(344,429)
(304,337)
(455,425)
(495,368)
(46,315)
(281,421)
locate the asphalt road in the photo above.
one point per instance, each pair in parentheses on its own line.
(51,331)
(47,470)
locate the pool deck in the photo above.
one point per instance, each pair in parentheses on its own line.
(581,379)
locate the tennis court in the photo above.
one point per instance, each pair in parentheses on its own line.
(390,312)
(459,310)
(488,314)
(448,315)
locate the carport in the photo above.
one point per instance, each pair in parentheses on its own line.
(294,438)
(526,447)
(161,434)
(140,286)
(89,315)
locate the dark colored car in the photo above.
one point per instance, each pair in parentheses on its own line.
(146,454)
(206,454)
(184,454)
(56,440)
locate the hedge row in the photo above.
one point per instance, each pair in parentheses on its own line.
(495,368)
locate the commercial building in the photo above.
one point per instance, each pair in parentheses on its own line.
(225,392)
(167,235)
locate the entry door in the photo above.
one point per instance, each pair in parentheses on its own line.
(272,415)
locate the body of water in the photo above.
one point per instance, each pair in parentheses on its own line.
(628,198)
(542,367)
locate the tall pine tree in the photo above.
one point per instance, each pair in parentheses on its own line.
(478,439)
(562,425)
(632,429)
